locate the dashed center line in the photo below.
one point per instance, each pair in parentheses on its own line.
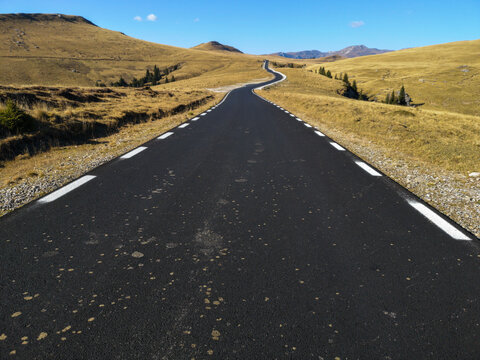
(292,115)
(183,125)
(367,168)
(164,136)
(319,133)
(336,146)
(66,189)
(439,221)
(195,119)
(133,152)
(299,119)
(307,125)
(203,114)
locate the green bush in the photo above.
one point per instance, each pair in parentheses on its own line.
(15,120)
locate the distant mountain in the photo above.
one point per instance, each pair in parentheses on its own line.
(216,46)
(348,52)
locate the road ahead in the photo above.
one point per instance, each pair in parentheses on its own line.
(245,234)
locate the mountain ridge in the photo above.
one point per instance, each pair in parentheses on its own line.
(348,52)
(216,46)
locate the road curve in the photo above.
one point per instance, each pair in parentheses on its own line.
(242,234)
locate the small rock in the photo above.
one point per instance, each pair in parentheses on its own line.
(474,174)
(137,254)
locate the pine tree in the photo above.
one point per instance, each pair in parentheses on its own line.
(354,85)
(392,98)
(401,97)
(172,79)
(345,79)
(336,77)
(166,80)
(329,74)
(387,99)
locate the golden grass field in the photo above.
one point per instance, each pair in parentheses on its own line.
(445,77)
(440,138)
(70,51)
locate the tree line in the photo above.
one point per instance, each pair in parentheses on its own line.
(351,90)
(155,77)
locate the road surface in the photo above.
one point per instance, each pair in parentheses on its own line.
(241,234)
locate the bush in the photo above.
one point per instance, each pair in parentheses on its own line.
(15,120)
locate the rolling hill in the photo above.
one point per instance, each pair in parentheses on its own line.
(444,77)
(56,49)
(216,46)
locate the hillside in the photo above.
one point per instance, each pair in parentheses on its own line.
(444,77)
(348,52)
(53,49)
(216,46)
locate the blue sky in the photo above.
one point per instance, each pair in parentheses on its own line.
(260,27)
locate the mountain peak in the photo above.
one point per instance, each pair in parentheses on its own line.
(216,46)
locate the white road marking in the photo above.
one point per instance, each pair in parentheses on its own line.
(133,152)
(203,114)
(336,146)
(287,112)
(225,98)
(164,136)
(367,168)
(292,115)
(319,133)
(439,221)
(299,119)
(183,125)
(195,119)
(66,189)
(209,110)
(307,125)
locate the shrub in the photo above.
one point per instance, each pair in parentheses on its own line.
(15,120)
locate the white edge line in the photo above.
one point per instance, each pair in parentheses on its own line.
(164,136)
(299,119)
(292,115)
(66,189)
(367,168)
(195,118)
(319,133)
(307,125)
(439,221)
(203,114)
(183,125)
(133,152)
(336,146)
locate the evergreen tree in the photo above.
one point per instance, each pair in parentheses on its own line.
(156,73)
(345,79)
(166,80)
(329,74)
(387,99)
(392,98)
(401,97)
(336,77)
(172,79)
(354,85)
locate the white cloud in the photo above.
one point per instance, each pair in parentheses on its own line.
(356,24)
(137,18)
(196,20)
(152,17)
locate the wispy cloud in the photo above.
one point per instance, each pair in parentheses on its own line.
(196,20)
(137,18)
(357,24)
(152,17)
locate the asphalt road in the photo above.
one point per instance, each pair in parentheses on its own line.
(243,235)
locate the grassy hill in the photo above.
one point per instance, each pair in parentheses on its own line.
(216,46)
(53,49)
(444,77)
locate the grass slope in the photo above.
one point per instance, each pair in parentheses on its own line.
(216,46)
(61,50)
(444,77)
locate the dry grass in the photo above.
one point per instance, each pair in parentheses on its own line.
(78,115)
(445,77)
(438,138)
(55,52)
